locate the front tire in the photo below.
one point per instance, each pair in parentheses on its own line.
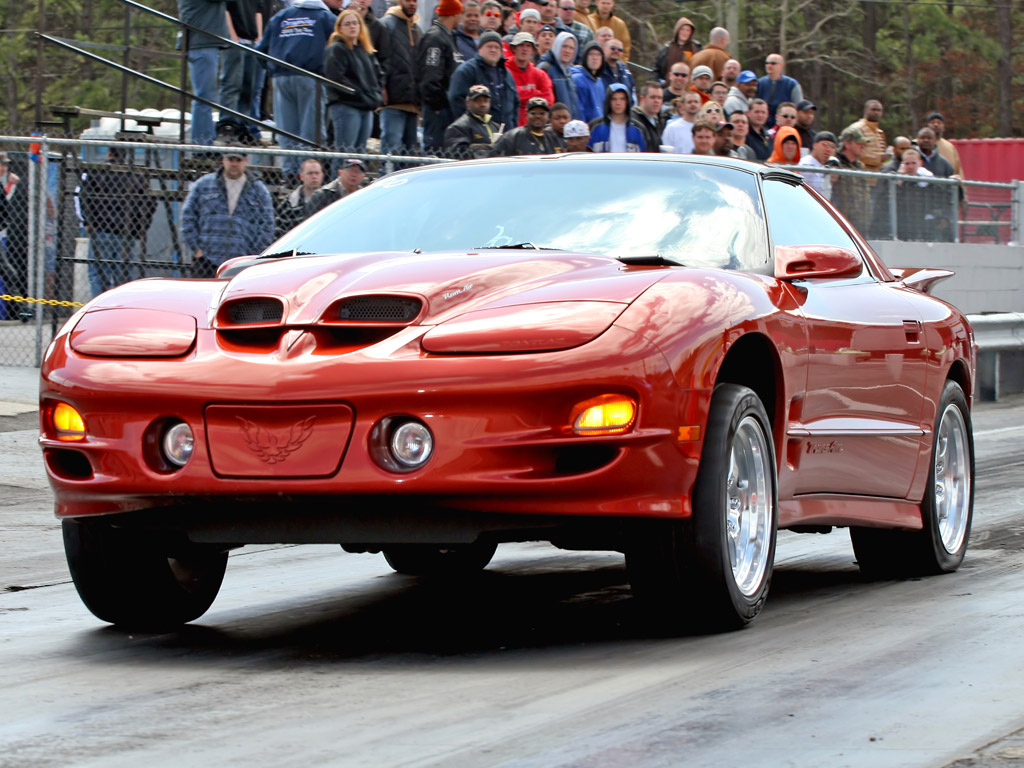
(947,509)
(437,560)
(715,569)
(139,582)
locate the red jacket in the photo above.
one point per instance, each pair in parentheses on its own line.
(530,82)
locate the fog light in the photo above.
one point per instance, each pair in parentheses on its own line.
(411,444)
(178,444)
(68,423)
(604,415)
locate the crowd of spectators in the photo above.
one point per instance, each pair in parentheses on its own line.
(483,78)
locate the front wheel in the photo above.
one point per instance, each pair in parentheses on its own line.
(438,560)
(715,569)
(946,510)
(136,581)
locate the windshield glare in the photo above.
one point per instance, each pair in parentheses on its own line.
(698,215)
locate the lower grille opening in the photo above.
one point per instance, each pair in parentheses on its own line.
(379,309)
(68,464)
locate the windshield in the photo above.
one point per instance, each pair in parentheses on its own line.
(693,214)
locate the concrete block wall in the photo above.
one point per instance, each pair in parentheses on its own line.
(989,278)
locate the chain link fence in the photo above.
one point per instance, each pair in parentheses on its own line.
(895,206)
(82,216)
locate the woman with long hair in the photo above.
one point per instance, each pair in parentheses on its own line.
(349,60)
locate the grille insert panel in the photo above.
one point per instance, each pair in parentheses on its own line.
(257,310)
(379,309)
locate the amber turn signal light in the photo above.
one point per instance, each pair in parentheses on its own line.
(604,415)
(67,422)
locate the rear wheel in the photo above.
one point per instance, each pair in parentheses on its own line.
(946,510)
(137,581)
(714,570)
(439,560)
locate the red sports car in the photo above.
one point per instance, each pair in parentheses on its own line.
(668,356)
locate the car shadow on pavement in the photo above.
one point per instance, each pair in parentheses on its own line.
(532,606)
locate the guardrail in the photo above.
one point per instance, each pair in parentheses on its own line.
(1000,340)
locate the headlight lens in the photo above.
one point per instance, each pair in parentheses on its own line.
(68,423)
(604,415)
(412,444)
(178,444)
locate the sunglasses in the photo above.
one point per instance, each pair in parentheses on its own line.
(679,74)
(492,13)
(617,50)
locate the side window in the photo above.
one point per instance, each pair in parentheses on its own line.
(796,218)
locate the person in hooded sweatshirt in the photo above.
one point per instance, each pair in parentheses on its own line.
(681,47)
(557,62)
(592,81)
(614,132)
(298,35)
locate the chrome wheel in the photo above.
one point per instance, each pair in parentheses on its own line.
(749,506)
(952,478)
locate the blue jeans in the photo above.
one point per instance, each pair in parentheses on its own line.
(115,248)
(352,127)
(202,71)
(295,111)
(238,72)
(398,132)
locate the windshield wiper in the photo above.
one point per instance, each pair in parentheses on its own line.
(650,260)
(519,246)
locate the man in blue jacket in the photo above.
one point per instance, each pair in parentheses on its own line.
(614,132)
(487,68)
(299,36)
(226,214)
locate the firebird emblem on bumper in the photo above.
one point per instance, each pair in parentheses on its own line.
(273,447)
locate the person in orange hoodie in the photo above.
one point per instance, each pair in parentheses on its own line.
(786,150)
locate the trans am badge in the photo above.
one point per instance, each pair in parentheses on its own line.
(275,447)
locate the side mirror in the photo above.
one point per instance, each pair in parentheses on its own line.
(800,261)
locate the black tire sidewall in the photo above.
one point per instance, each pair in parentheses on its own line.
(944,561)
(730,405)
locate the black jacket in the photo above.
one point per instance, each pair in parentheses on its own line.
(436,60)
(651,132)
(399,63)
(463,137)
(521,141)
(356,68)
(116,202)
(504,94)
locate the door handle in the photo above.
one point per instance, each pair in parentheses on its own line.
(912,328)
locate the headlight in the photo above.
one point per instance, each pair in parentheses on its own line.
(543,327)
(178,444)
(401,443)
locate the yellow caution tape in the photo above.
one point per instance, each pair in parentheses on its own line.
(49,302)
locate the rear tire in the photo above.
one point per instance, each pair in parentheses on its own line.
(439,560)
(139,582)
(714,570)
(947,509)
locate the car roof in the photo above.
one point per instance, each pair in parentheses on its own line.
(765,171)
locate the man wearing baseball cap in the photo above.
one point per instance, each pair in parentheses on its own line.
(471,135)
(822,150)
(576,134)
(739,96)
(436,60)
(487,68)
(805,113)
(529,139)
(938,124)
(351,176)
(700,82)
(530,81)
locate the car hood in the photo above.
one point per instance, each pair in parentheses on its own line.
(449,284)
